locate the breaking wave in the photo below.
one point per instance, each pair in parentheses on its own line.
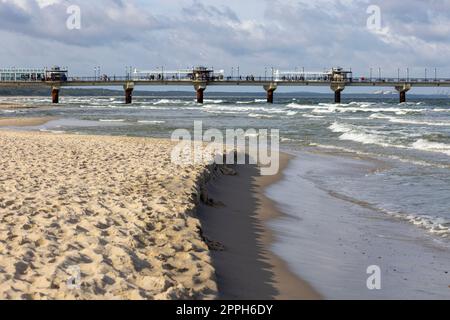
(425,145)
(359,134)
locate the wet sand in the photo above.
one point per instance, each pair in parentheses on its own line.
(24,122)
(245,266)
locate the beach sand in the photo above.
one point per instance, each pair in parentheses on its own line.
(114,207)
(236,224)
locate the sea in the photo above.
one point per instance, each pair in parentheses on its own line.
(370,177)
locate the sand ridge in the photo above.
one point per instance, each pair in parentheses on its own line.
(115,207)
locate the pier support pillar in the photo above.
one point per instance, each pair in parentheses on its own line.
(200,94)
(270,89)
(402,90)
(337,88)
(129,87)
(55,94)
(200,89)
(402,96)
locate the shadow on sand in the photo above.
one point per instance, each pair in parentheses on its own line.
(242,270)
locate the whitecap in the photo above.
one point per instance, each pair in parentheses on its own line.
(360,135)
(300,106)
(261,116)
(111,120)
(152,121)
(312,116)
(430,146)
(214,101)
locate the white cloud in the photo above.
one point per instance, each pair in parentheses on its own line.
(284,33)
(46,3)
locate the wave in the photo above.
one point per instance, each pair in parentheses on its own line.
(175,102)
(438,226)
(312,116)
(358,134)
(251,102)
(376,155)
(294,105)
(112,120)
(152,121)
(353,107)
(430,146)
(165,101)
(236,109)
(261,116)
(240,109)
(284,139)
(214,101)
(417,122)
(399,111)
(107,106)
(441,110)
(410,121)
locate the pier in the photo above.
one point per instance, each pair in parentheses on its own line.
(201,78)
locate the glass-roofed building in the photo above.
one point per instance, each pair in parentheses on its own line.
(33,74)
(19,74)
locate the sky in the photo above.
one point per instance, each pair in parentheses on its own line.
(254,35)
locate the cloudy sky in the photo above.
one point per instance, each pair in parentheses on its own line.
(224,33)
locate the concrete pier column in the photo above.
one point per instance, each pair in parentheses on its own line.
(270,89)
(128,96)
(270,96)
(337,96)
(337,88)
(55,94)
(200,89)
(402,96)
(402,90)
(200,94)
(129,87)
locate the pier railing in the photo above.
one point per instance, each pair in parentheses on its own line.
(232,79)
(268,82)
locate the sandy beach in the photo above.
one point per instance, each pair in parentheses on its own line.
(116,208)
(135,225)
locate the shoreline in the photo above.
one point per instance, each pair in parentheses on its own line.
(246,267)
(330,240)
(289,284)
(24,122)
